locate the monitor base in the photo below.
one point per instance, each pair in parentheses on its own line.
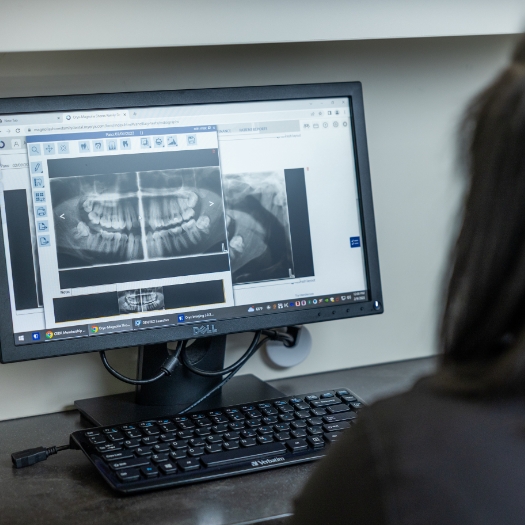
(123,408)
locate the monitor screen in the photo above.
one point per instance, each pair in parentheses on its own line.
(136,223)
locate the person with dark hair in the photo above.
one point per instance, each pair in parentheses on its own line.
(452,449)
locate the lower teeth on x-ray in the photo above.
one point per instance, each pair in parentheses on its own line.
(141,300)
(101,219)
(258,226)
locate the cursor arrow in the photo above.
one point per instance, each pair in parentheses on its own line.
(211,203)
(62,217)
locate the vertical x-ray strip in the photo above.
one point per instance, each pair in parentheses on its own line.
(258,226)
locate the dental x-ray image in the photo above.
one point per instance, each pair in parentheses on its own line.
(96,219)
(258,226)
(184,213)
(141,300)
(125,217)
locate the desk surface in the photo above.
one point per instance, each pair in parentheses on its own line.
(66,489)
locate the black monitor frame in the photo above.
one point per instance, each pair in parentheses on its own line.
(374,305)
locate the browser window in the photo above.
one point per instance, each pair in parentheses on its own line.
(144,217)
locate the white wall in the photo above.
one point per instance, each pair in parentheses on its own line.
(64,25)
(414,92)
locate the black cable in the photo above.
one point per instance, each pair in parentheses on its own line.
(251,351)
(26,458)
(214,373)
(166,368)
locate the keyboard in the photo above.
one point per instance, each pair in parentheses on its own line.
(212,444)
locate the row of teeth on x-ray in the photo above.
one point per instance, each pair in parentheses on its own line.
(113,225)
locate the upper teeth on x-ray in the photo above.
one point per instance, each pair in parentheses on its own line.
(258,226)
(141,300)
(121,217)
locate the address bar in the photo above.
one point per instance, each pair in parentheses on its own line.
(116,125)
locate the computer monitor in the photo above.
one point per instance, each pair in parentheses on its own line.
(133,219)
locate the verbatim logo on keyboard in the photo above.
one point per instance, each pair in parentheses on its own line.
(204,330)
(262,462)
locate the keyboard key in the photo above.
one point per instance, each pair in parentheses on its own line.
(149,472)
(314,421)
(204,431)
(237,425)
(129,463)
(303,414)
(132,474)
(356,404)
(168,468)
(311,397)
(132,434)
(214,439)
(185,434)
(270,420)
(271,411)
(299,433)
(213,448)
(327,395)
(169,436)
(265,439)
(284,409)
(180,443)
(150,440)
(325,402)
(98,440)
(114,456)
(151,431)
(243,454)
(132,443)
(297,445)
(318,411)
(295,400)
(302,406)
(281,427)
(230,445)
(253,414)
(330,437)
(232,435)
(298,424)
(92,433)
(197,442)
(178,454)
(286,417)
(282,436)
(195,451)
(219,419)
(109,447)
(159,458)
(336,427)
(335,409)
(161,447)
(348,399)
(111,430)
(253,423)
(219,429)
(342,393)
(143,451)
(315,430)
(266,429)
(204,422)
(191,463)
(248,442)
(343,416)
(115,438)
(315,441)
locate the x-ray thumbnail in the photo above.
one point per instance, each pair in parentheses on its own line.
(96,219)
(141,300)
(258,226)
(184,213)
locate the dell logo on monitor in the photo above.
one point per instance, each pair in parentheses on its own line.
(204,330)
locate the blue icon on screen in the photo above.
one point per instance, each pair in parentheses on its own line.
(355,242)
(35,336)
(181,318)
(292,304)
(138,322)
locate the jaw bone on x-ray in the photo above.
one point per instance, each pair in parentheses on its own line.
(258,226)
(141,300)
(104,219)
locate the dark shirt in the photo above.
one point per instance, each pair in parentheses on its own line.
(424,457)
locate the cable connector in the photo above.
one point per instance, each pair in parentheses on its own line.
(26,458)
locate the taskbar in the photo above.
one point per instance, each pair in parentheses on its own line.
(95,329)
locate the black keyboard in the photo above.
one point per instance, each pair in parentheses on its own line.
(212,444)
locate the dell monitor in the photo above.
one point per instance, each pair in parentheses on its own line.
(136,219)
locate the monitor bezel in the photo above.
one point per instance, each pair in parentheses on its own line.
(9,352)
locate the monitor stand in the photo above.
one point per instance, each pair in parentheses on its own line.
(169,395)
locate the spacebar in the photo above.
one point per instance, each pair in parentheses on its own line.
(242,454)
